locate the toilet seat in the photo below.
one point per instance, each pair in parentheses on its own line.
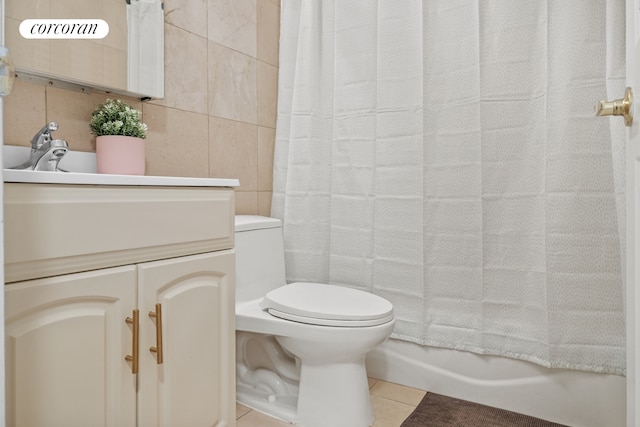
(327,305)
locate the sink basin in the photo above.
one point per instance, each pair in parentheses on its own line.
(82,168)
(13,175)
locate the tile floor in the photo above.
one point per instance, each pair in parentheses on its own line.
(392,404)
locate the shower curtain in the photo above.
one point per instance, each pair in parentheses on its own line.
(445,155)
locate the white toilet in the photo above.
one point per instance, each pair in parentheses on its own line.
(300,347)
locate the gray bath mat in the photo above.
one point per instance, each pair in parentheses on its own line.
(436,410)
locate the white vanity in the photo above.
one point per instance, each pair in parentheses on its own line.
(106,275)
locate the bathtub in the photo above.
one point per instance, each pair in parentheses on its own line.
(574,398)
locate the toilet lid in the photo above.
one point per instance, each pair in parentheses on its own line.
(327,305)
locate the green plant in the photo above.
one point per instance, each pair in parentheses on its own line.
(114,117)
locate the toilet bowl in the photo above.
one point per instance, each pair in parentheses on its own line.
(300,347)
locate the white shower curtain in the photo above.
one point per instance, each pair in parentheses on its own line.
(445,155)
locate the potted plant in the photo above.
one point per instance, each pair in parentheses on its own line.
(120,136)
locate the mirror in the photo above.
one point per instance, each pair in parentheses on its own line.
(128,61)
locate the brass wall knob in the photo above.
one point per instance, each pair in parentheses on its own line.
(619,107)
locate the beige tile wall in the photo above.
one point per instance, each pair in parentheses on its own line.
(219,112)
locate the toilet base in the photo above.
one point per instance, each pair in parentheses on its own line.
(335,395)
(311,394)
(266,377)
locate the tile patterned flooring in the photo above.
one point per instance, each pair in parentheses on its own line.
(392,404)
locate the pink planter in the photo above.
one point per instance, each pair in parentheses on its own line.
(122,155)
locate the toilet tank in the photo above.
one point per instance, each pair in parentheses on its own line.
(259,256)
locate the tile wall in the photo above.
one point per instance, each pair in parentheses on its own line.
(218,116)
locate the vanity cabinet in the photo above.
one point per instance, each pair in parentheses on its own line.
(72,319)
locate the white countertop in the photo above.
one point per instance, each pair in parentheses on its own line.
(12,175)
(82,167)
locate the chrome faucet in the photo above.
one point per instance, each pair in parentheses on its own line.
(45,151)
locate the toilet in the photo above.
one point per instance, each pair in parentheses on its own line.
(300,347)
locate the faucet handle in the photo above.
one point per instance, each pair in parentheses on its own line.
(43,135)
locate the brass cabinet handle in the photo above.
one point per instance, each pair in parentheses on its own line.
(158,348)
(135,323)
(619,107)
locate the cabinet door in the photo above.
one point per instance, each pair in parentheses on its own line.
(66,338)
(195,384)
